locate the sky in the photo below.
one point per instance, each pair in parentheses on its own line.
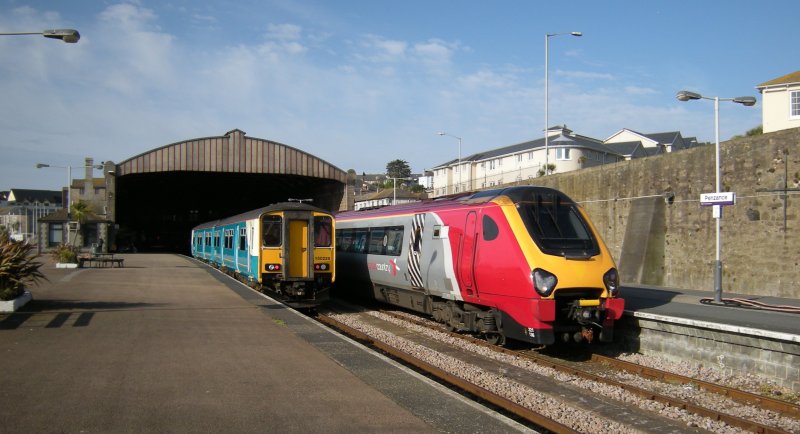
(362,83)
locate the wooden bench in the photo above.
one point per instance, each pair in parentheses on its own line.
(104,260)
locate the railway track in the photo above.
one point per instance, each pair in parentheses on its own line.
(700,416)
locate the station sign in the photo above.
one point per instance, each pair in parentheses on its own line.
(723,198)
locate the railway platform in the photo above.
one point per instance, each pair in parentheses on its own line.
(167,344)
(682,325)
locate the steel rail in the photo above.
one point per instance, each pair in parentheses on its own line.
(642,393)
(783,407)
(473,389)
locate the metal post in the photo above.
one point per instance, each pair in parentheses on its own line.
(718,208)
(546,105)
(459,164)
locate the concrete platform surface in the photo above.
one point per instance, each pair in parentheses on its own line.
(683,305)
(166,344)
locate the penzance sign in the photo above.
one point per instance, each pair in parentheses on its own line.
(723,198)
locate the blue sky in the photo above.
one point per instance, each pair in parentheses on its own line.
(361,83)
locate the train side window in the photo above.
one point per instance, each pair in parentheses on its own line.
(272,225)
(322,231)
(360,240)
(242,238)
(490,228)
(394,240)
(377,241)
(344,240)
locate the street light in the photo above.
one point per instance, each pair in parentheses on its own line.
(67,35)
(748,101)
(394,188)
(69,177)
(547,97)
(441,133)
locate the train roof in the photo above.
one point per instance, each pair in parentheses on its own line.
(249,215)
(516,194)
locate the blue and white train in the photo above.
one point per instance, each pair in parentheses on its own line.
(285,249)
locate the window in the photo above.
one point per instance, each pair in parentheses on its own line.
(55,235)
(322,231)
(271,231)
(519,158)
(530,155)
(794,104)
(555,224)
(242,239)
(490,228)
(562,154)
(228,239)
(374,241)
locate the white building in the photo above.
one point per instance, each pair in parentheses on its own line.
(780,103)
(567,151)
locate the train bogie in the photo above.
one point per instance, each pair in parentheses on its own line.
(523,263)
(285,249)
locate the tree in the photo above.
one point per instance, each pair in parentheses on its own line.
(80,211)
(398,169)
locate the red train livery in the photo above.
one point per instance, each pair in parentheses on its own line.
(523,263)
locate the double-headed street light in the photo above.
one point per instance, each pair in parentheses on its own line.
(547,37)
(441,133)
(685,95)
(67,35)
(69,177)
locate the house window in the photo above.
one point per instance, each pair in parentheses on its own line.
(519,158)
(55,235)
(794,104)
(562,154)
(530,155)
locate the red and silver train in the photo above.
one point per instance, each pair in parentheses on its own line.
(523,263)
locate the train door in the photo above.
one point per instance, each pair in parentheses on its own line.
(466,258)
(298,248)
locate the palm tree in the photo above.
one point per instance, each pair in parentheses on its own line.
(80,212)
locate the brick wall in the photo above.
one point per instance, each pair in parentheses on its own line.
(678,246)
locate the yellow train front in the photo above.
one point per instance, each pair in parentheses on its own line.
(285,250)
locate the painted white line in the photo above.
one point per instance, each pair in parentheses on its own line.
(717,326)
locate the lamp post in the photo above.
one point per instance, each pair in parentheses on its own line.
(394,188)
(547,37)
(70,36)
(746,101)
(441,133)
(69,175)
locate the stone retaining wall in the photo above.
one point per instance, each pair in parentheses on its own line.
(675,243)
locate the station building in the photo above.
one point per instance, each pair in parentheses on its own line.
(150,202)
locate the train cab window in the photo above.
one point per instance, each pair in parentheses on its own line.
(322,231)
(490,228)
(556,225)
(272,225)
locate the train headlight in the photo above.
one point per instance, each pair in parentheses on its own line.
(272,267)
(544,282)
(320,267)
(611,280)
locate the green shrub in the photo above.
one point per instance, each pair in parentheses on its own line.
(18,267)
(65,254)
